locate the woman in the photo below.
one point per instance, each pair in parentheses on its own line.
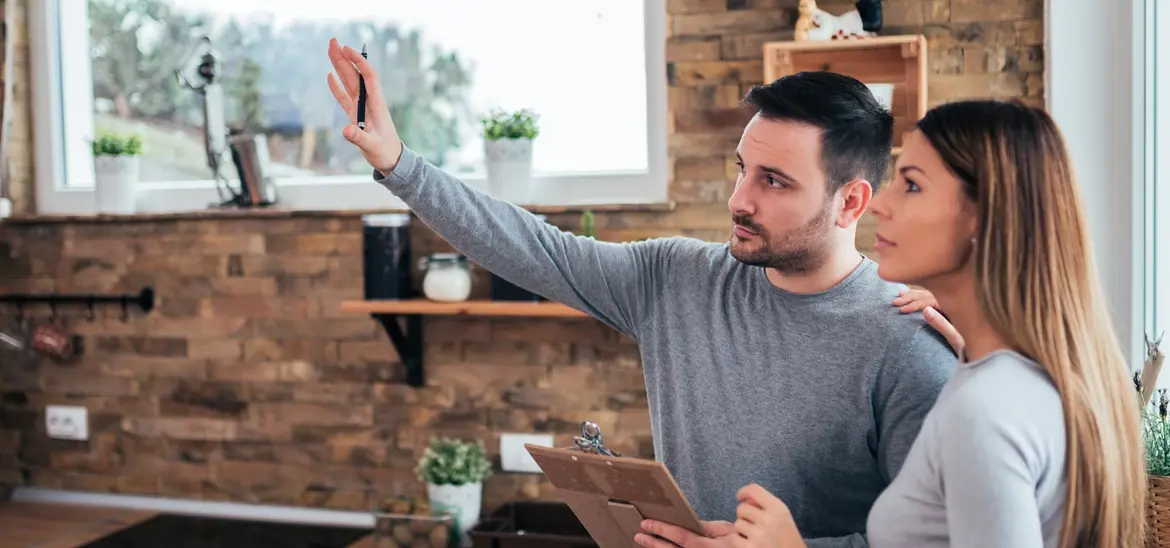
(1035,440)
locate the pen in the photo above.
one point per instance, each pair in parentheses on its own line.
(361,106)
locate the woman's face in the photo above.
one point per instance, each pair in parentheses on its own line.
(925,221)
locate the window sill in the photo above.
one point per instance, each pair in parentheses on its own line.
(280,213)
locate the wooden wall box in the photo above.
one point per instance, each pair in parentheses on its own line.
(897,60)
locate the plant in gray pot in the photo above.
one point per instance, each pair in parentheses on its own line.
(508,139)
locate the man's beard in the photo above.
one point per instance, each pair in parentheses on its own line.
(797,252)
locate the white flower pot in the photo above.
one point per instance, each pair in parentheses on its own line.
(465,499)
(115,183)
(509,169)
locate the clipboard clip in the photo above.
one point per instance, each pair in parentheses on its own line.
(590,440)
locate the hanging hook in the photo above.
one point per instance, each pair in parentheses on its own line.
(125,311)
(20,311)
(52,311)
(90,315)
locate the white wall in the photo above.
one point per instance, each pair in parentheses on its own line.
(1092,57)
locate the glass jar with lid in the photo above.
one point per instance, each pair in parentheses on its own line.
(447,278)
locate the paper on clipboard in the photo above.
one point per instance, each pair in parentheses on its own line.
(612,495)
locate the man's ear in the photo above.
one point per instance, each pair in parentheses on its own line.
(855,196)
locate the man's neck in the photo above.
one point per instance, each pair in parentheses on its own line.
(840,264)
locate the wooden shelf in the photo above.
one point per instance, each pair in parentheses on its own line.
(408,340)
(876,42)
(426,307)
(898,60)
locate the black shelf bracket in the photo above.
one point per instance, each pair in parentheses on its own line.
(408,343)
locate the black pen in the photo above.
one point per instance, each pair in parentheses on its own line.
(361,107)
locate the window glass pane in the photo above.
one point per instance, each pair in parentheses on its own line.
(579,64)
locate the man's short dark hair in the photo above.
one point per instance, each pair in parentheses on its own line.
(857,131)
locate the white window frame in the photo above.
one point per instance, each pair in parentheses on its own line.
(1094,91)
(50,70)
(1156,172)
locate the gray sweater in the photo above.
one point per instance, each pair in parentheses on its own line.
(817,397)
(988,467)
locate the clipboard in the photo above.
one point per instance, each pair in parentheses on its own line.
(611,495)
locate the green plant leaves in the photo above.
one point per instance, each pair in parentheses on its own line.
(113,144)
(587,224)
(448,461)
(501,124)
(1156,434)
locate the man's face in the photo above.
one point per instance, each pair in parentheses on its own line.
(781,212)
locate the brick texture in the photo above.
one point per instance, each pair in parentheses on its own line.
(20,146)
(247,384)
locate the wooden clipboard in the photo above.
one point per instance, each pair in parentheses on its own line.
(612,495)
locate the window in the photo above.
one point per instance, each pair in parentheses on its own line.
(594,71)
(1156,195)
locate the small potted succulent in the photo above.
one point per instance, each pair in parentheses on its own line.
(116,167)
(454,472)
(508,140)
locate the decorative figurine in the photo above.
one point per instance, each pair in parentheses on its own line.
(1152,368)
(816,24)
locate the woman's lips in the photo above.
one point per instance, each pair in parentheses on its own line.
(882,243)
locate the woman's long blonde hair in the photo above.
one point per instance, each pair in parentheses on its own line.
(1038,288)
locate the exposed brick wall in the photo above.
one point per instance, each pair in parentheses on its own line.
(20,190)
(246,384)
(20,145)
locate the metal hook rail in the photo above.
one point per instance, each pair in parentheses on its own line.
(144,300)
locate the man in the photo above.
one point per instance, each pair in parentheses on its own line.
(776,358)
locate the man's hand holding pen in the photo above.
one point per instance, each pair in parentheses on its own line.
(361,107)
(379,141)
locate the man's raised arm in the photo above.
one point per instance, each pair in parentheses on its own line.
(618,283)
(615,282)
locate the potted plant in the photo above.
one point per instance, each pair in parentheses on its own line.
(507,140)
(1155,406)
(116,164)
(454,471)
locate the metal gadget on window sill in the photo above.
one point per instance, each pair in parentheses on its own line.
(247,150)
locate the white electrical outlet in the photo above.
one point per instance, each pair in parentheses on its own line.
(514,457)
(67,422)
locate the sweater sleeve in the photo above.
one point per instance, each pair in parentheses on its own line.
(617,283)
(909,383)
